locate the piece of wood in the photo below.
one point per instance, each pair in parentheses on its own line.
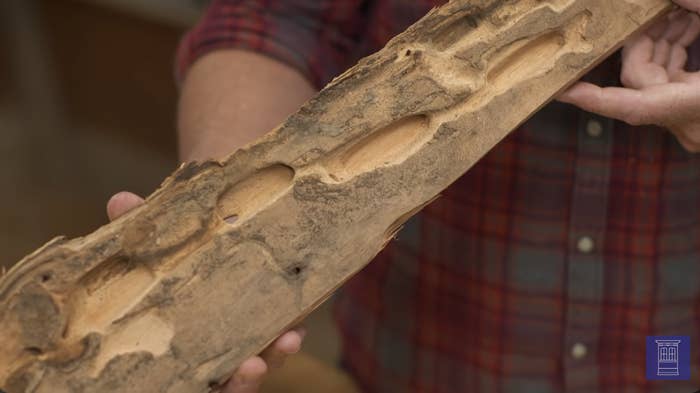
(226,255)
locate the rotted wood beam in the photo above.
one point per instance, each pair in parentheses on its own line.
(226,255)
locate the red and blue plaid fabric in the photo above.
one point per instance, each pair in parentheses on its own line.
(541,270)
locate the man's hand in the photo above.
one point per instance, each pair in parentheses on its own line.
(248,377)
(658,90)
(691,5)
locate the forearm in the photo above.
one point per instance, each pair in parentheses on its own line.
(232,97)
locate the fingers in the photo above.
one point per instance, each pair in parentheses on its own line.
(677,60)
(623,104)
(691,33)
(673,105)
(287,344)
(677,26)
(639,49)
(248,376)
(640,65)
(670,50)
(687,77)
(653,58)
(691,5)
(662,52)
(121,203)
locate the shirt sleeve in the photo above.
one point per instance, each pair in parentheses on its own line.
(317,37)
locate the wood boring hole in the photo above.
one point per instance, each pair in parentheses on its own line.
(296,270)
(384,147)
(231,219)
(525,57)
(456,29)
(214,386)
(106,293)
(34,351)
(252,194)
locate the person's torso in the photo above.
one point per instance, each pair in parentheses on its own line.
(542,269)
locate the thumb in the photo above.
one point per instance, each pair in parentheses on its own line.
(121,203)
(629,105)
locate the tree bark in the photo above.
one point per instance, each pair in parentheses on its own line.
(226,255)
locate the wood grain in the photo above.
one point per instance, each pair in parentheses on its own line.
(226,255)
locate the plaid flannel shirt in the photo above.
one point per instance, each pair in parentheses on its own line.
(541,270)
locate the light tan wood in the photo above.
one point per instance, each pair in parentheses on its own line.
(226,255)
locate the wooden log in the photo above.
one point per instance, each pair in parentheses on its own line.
(226,255)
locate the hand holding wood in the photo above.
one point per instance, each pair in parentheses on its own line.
(225,256)
(657,88)
(247,378)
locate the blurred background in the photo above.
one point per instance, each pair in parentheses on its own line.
(87,109)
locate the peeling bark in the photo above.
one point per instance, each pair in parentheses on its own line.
(226,255)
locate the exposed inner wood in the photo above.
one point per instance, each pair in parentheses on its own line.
(226,255)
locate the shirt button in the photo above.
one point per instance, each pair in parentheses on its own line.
(585,244)
(594,128)
(579,351)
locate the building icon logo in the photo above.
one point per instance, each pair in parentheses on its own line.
(668,357)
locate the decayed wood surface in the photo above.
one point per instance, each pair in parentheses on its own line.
(226,255)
